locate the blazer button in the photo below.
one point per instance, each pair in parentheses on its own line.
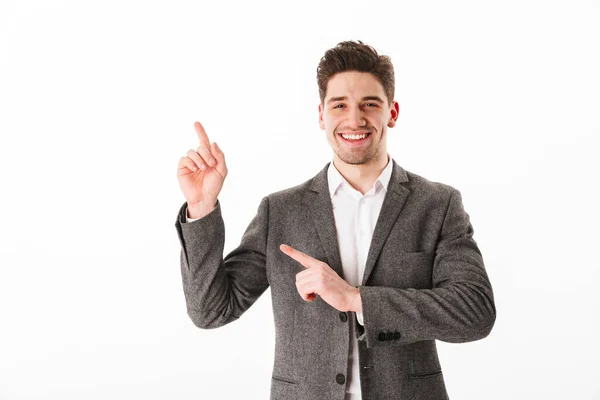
(381,337)
(396,335)
(340,378)
(343,317)
(389,336)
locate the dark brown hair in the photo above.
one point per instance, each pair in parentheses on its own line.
(356,56)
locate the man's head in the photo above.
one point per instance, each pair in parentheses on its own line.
(356,56)
(356,87)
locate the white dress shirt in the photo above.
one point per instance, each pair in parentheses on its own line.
(355,217)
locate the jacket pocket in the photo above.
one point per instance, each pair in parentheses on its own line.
(285,381)
(284,389)
(422,375)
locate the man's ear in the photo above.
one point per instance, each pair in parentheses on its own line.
(321,122)
(394,113)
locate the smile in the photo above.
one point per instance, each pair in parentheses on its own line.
(354,137)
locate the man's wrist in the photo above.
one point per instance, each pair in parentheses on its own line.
(355,300)
(201,209)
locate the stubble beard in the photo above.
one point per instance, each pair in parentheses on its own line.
(357,157)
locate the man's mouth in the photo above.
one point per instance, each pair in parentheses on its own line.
(354,137)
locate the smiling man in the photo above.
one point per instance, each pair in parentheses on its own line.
(368,264)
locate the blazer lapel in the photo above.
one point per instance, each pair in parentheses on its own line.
(318,202)
(393,202)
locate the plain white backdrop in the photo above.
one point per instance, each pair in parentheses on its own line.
(97,103)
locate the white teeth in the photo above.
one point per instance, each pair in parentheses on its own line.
(354,137)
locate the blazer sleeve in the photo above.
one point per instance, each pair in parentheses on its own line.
(219,290)
(459,307)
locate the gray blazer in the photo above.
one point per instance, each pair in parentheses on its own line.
(424,280)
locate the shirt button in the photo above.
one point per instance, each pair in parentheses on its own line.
(343,317)
(340,378)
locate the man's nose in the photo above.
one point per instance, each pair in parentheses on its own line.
(356,118)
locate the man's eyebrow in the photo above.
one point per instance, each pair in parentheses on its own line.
(376,98)
(331,100)
(341,98)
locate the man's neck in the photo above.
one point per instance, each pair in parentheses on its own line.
(361,176)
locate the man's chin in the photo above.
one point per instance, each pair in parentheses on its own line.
(355,162)
(355,159)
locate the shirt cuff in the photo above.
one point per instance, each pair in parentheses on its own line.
(187,216)
(359,318)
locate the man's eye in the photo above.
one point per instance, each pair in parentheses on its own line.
(371,105)
(338,106)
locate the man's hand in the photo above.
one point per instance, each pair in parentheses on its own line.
(319,279)
(201,175)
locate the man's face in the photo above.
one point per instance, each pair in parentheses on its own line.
(355,116)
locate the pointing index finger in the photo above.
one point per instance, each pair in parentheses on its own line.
(297,255)
(202,136)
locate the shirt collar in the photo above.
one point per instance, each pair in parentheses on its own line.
(335,179)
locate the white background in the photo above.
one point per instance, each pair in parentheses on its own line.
(97,102)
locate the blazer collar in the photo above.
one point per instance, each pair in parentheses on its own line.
(318,201)
(319,182)
(335,178)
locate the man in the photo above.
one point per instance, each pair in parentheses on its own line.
(368,264)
